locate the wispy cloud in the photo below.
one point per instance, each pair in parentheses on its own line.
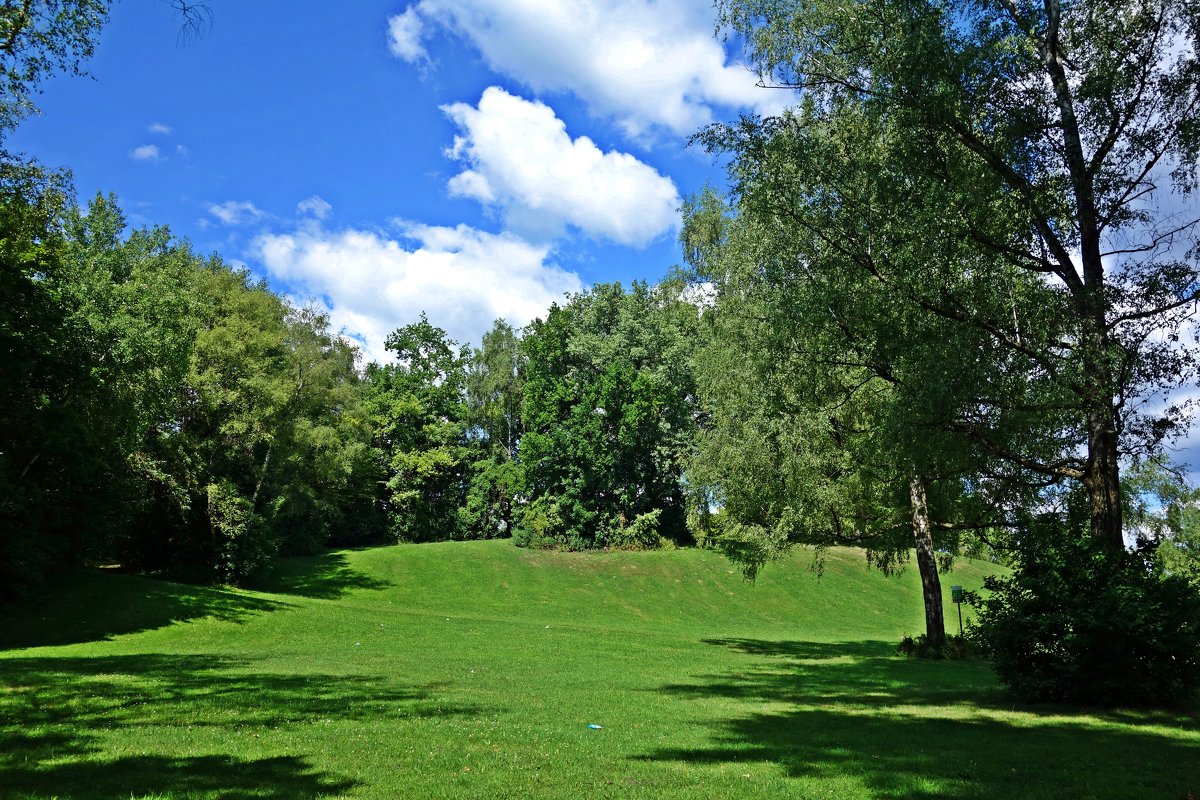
(159,128)
(314,207)
(147,152)
(404,36)
(236,212)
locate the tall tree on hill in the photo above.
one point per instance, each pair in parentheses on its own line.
(826,406)
(267,444)
(1050,138)
(495,386)
(420,427)
(609,412)
(495,390)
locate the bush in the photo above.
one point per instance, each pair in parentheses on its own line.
(640,534)
(956,647)
(1075,624)
(539,523)
(244,545)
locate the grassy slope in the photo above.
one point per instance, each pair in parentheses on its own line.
(474,669)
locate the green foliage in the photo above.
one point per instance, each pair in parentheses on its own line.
(1077,624)
(242,548)
(609,412)
(494,393)
(269,412)
(542,525)
(829,407)
(495,390)
(159,408)
(955,647)
(37,39)
(1164,510)
(96,337)
(419,421)
(490,508)
(640,534)
(752,546)
(1000,169)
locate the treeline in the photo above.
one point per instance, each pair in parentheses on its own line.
(572,433)
(162,410)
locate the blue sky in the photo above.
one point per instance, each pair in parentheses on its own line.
(470,158)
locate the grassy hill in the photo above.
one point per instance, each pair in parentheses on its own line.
(476,670)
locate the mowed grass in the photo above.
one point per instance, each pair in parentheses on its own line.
(475,670)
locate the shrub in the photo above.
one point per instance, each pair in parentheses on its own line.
(640,534)
(956,647)
(244,545)
(539,521)
(1075,624)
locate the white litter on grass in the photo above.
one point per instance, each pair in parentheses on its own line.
(595,727)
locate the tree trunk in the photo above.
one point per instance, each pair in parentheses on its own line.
(931,587)
(1103,478)
(262,475)
(1104,483)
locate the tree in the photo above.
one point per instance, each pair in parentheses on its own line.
(1047,138)
(495,388)
(420,427)
(825,405)
(98,329)
(38,38)
(266,445)
(1164,509)
(609,412)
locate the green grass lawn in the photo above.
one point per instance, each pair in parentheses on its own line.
(475,670)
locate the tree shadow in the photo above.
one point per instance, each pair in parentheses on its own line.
(55,711)
(327,576)
(906,728)
(95,605)
(216,777)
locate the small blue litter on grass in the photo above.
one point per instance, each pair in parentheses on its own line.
(595,727)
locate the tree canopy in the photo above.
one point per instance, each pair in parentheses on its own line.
(1050,139)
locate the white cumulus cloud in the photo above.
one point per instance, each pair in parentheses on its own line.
(159,128)
(520,159)
(647,63)
(463,278)
(147,152)
(236,212)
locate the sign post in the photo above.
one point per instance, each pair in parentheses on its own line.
(956,594)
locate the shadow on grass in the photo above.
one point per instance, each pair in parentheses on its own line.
(327,576)
(889,727)
(52,713)
(94,605)
(218,777)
